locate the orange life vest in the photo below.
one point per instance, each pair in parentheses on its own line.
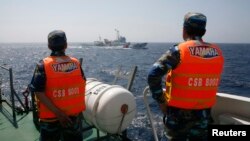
(194,83)
(65,86)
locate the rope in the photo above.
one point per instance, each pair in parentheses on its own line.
(124,110)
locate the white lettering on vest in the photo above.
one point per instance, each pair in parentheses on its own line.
(197,82)
(73,91)
(203,51)
(64,67)
(212,82)
(58,93)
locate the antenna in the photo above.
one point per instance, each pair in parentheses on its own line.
(100,38)
(117,34)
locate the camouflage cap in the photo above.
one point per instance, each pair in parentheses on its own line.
(195,20)
(57,38)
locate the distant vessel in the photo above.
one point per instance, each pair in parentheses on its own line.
(138,46)
(119,41)
(99,43)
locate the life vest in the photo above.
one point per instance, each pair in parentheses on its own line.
(65,86)
(194,83)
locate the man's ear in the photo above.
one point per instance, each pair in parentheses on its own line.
(65,46)
(49,47)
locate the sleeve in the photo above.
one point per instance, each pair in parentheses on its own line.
(39,78)
(166,62)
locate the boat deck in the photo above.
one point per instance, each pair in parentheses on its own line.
(26,130)
(21,127)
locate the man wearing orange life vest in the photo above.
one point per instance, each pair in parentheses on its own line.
(193,71)
(59,85)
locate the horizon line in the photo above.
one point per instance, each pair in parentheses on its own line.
(128,42)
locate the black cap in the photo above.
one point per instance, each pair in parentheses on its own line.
(57,38)
(195,20)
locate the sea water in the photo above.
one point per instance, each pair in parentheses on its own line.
(103,63)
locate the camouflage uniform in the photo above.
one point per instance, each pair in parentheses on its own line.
(184,124)
(181,124)
(53,131)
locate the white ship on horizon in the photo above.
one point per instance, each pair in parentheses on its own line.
(120,41)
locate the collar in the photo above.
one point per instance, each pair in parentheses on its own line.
(57,53)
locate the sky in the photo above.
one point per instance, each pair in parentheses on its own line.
(228,21)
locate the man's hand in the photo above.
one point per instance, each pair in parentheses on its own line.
(64,120)
(62,117)
(163,108)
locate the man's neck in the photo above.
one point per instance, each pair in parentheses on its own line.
(57,53)
(194,38)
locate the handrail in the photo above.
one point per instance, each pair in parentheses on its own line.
(13,94)
(145,93)
(3,67)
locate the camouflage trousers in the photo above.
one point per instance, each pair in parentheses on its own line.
(53,131)
(186,125)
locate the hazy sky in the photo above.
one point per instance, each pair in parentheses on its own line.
(137,20)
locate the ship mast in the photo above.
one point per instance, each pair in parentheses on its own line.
(100,38)
(117,34)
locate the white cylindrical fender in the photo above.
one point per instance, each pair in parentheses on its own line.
(110,108)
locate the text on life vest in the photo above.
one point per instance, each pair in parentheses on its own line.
(63,92)
(199,82)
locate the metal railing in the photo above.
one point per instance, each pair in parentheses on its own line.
(10,116)
(145,94)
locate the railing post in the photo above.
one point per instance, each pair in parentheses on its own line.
(80,60)
(12,98)
(132,77)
